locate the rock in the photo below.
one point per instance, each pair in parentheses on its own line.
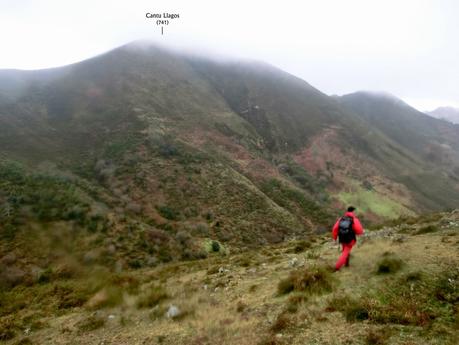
(223,270)
(111,317)
(293,262)
(173,311)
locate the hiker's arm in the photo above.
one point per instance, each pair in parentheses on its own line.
(335,230)
(358,228)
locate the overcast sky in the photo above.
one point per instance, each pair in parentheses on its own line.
(409,48)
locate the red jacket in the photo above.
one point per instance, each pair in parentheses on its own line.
(356,226)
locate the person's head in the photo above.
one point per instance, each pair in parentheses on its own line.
(351,209)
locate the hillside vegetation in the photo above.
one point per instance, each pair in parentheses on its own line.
(401,288)
(133,179)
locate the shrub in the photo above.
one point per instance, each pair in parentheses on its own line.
(241,306)
(427,229)
(312,280)
(167,212)
(282,322)
(357,312)
(389,265)
(301,246)
(152,298)
(91,323)
(215,246)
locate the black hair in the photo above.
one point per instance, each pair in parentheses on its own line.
(351,209)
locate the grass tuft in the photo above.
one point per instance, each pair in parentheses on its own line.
(389,264)
(312,280)
(91,323)
(427,229)
(282,322)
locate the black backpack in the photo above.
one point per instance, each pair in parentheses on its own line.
(345,232)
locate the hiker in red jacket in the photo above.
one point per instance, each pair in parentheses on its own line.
(346,228)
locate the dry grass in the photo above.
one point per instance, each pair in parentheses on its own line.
(246,309)
(152,297)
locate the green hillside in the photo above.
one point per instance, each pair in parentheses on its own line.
(145,155)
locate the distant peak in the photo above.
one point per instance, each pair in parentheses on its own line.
(376,95)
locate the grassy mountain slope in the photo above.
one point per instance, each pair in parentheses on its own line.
(434,183)
(160,152)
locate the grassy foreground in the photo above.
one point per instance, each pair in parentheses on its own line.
(401,288)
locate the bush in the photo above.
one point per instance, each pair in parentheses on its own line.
(282,322)
(167,212)
(312,280)
(389,265)
(215,246)
(427,229)
(301,246)
(91,323)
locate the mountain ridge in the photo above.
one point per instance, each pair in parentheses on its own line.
(161,152)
